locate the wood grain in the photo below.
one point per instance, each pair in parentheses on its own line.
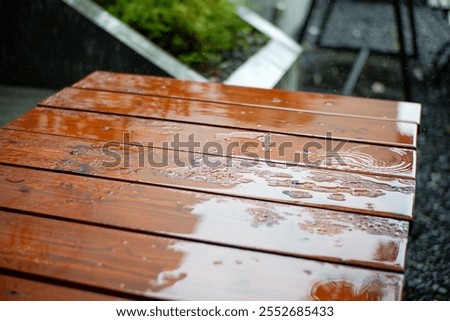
(274,98)
(98,203)
(375,195)
(291,230)
(157,267)
(19,289)
(295,122)
(248,144)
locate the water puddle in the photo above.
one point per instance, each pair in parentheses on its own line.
(233,136)
(363,156)
(264,216)
(337,197)
(222,174)
(344,290)
(297,194)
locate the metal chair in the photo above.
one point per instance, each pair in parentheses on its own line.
(364,52)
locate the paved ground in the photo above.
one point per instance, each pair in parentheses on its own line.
(14,101)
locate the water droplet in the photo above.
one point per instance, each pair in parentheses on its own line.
(322,124)
(276,100)
(378,87)
(329,103)
(66,185)
(264,216)
(313,30)
(361,192)
(337,197)
(14,180)
(105,127)
(297,194)
(137,171)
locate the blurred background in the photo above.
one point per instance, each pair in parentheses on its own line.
(377,49)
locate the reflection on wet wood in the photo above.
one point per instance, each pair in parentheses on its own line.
(164,268)
(384,196)
(293,230)
(99,202)
(287,149)
(18,289)
(275,98)
(279,121)
(342,290)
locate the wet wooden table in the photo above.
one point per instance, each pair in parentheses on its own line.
(136,187)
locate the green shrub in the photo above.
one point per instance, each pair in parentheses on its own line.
(195,31)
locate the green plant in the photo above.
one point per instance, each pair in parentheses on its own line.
(195,31)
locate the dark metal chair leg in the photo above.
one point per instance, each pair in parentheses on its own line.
(403,55)
(355,73)
(304,29)
(412,22)
(329,9)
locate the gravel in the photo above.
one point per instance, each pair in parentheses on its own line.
(428,258)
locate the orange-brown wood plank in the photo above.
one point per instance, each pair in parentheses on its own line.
(164,268)
(293,230)
(286,149)
(376,195)
(244,117)
(274,98)
(18,289)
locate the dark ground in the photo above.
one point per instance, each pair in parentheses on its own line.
(371,23)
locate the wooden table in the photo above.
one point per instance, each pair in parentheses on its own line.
(99,201)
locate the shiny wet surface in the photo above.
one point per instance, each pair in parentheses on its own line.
(211,92)
(293,230)
(357,157)
(377,195)
(286,121)
(162,268)
(94,197)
